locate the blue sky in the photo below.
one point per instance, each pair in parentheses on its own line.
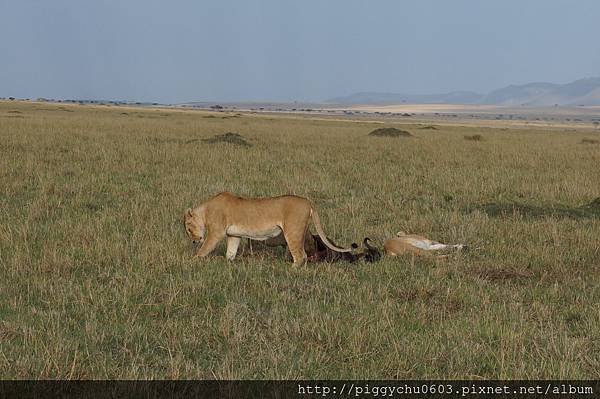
(176,51)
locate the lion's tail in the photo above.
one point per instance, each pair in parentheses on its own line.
(317,222)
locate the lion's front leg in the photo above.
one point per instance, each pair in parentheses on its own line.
(210,243)
(232,246)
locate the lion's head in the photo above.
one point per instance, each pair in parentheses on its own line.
(194,226)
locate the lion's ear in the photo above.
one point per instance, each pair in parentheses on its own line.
(188,213)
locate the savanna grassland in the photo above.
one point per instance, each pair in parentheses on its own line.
(97,278)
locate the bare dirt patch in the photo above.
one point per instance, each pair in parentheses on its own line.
(228,138)
(500,274)
(390,132)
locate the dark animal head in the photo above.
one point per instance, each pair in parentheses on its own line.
(324,254)
(371,253)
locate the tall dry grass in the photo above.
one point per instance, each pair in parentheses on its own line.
(97,280)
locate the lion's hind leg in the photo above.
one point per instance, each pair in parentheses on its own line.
(295,241)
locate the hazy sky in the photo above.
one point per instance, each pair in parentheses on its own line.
(280,50)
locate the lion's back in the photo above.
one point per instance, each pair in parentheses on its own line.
(264,211)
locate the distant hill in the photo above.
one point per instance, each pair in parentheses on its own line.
(579,92)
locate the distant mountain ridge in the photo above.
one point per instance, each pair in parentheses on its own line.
(580,92)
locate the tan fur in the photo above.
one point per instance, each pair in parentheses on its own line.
(415,244)
(231,217)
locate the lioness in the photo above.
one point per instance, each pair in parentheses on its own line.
(415,244)
(226,215)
